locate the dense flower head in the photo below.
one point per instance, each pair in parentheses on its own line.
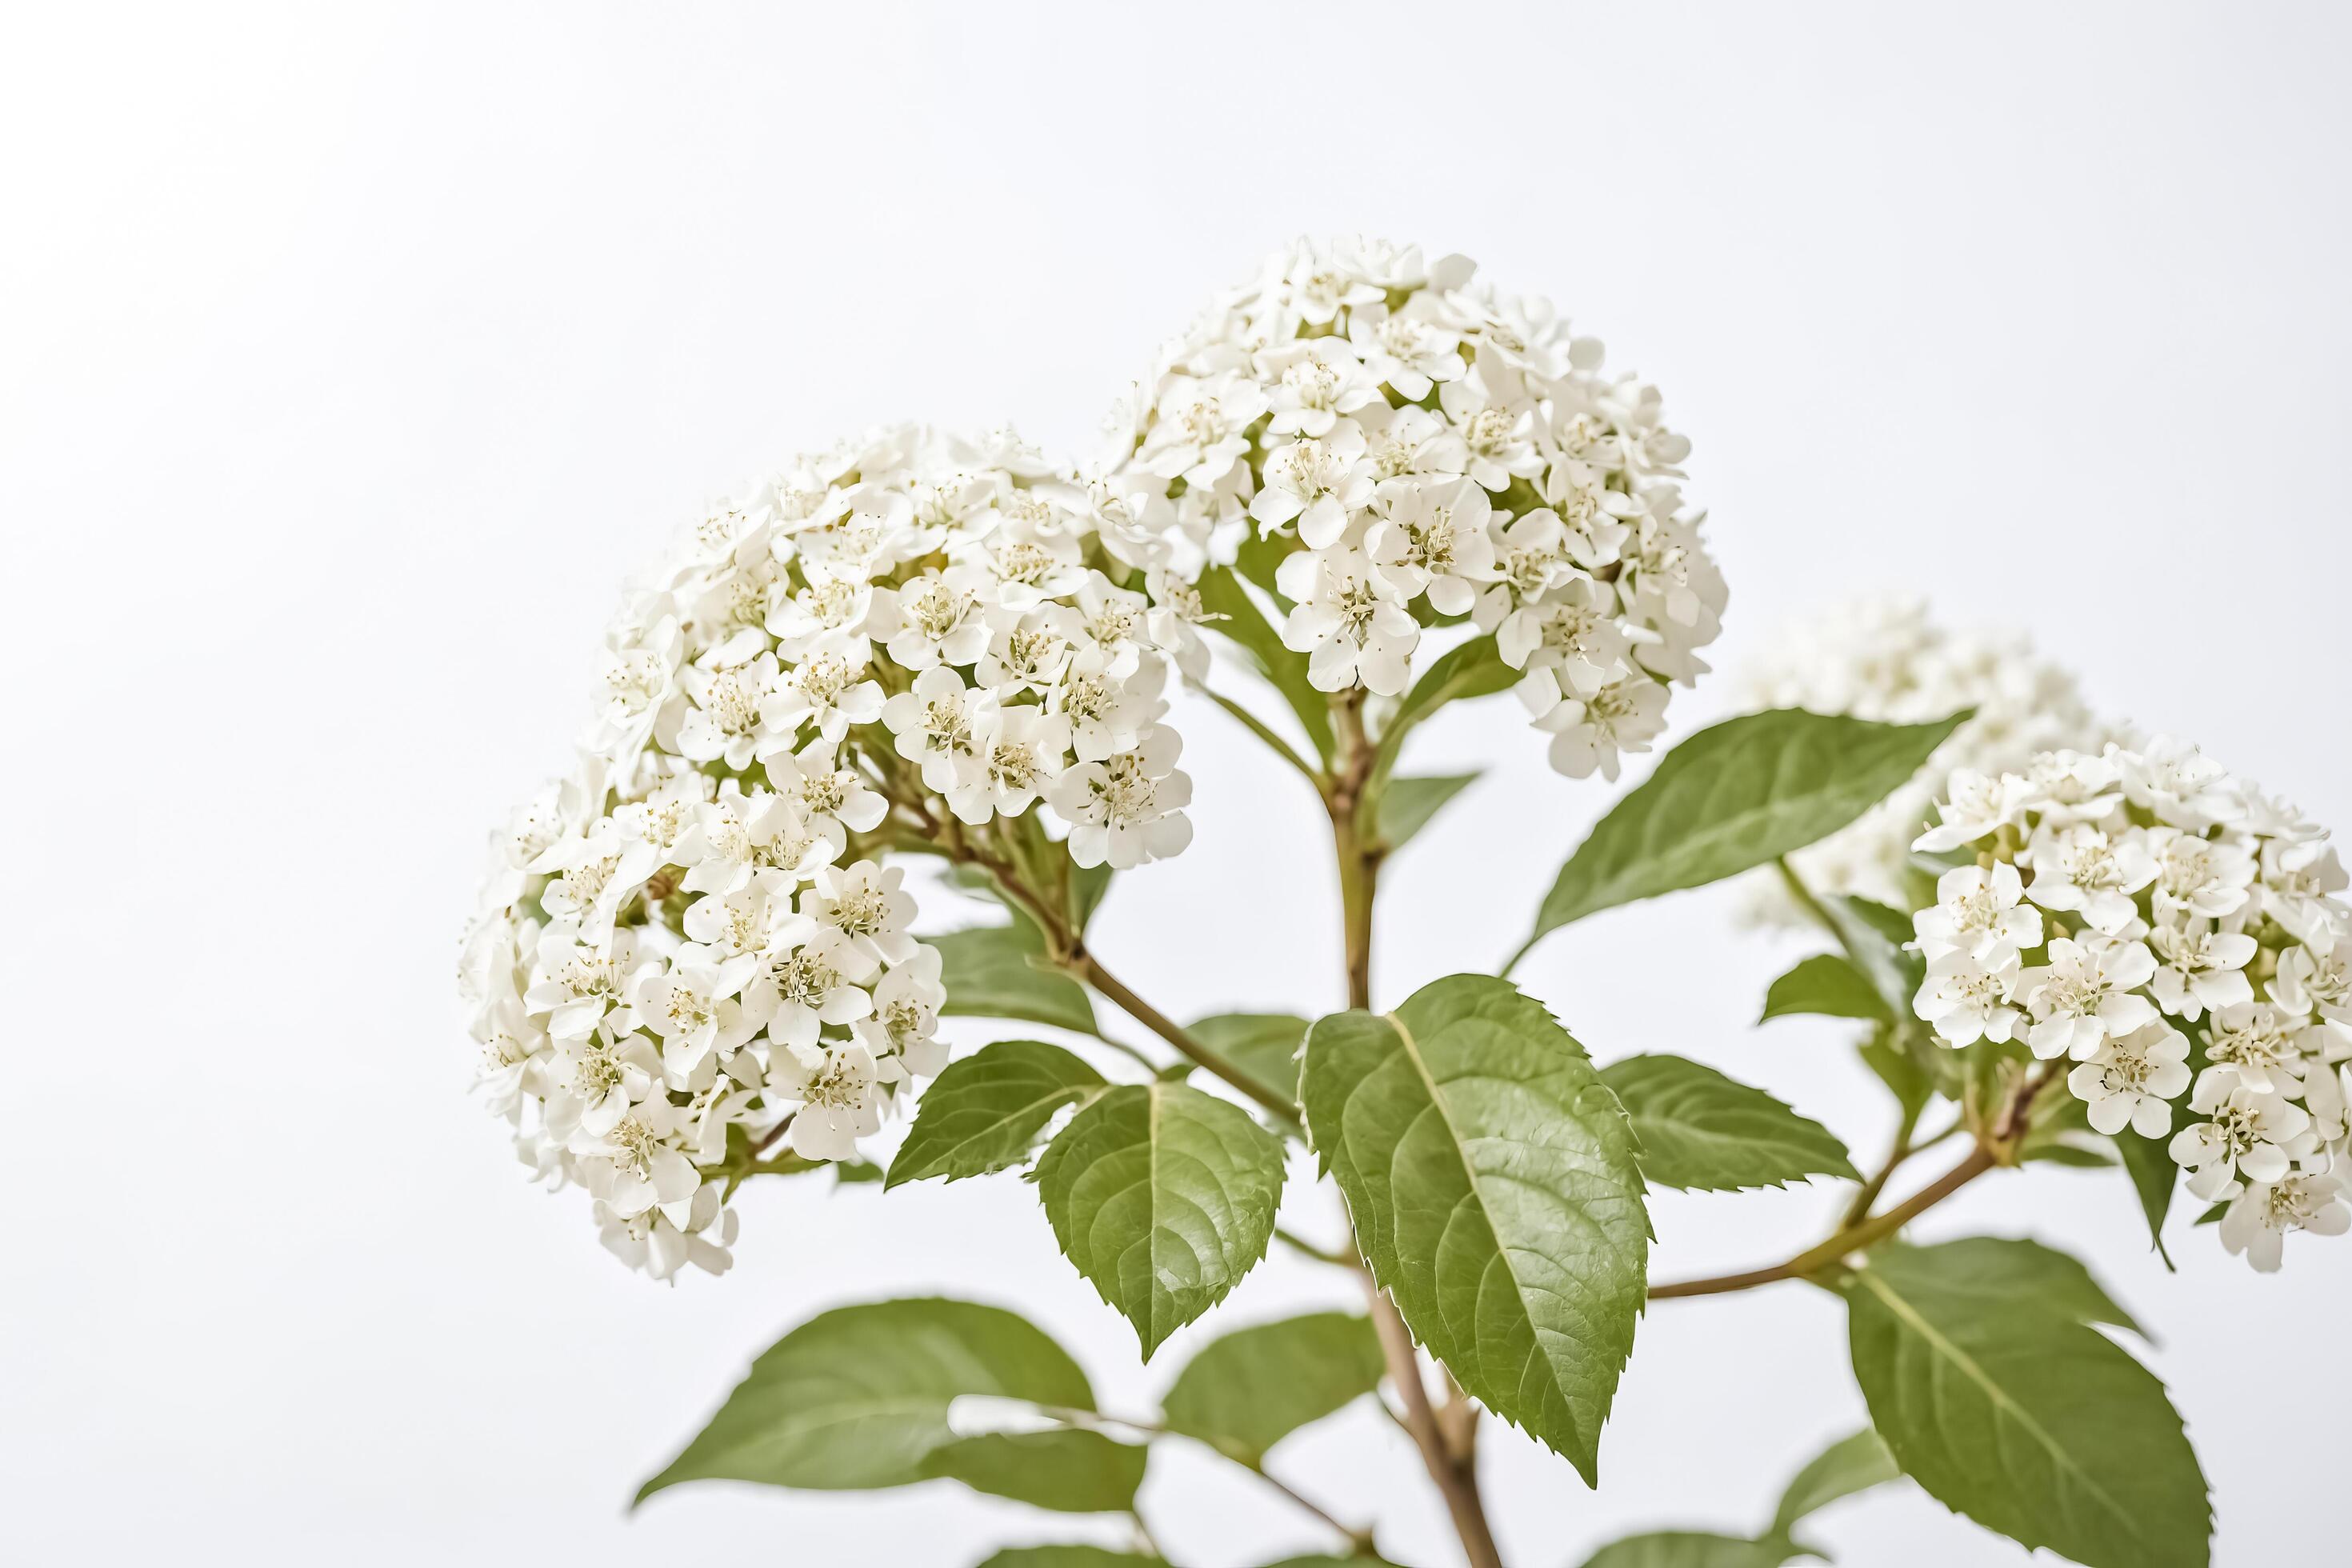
(1885,659)
(2179,938)
(689,951)
(1391,446)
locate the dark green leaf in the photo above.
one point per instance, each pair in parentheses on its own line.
(1067,1557)
(1690,1549)
(1406,805)
(2154,1175)
(1264,1046)
(1702,1130)
(985,1113)
(1246,1392)
(997,972)
(1163,1197)
(1491,1177)
(858,1397)
(1995,1395)
(1068,1471)
(1734,796)
(1828,984)
(1222,593)
(1852,1464)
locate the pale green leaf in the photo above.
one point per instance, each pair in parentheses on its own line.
(1163,1197)
(1222,593)
(1406,805)
(1068,1471)
(996,972)
(858,1397)
(1734,796)
(1690,1549)
(1264,1046)
(1995,1395)
(985,1113)
(1246,1392)
(1491,1177)
(1852,1465)
(1827,984)
(1702,1130)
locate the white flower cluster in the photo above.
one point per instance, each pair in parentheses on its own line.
(692,934)
(1418,449)
(2166,928)
(1883,660)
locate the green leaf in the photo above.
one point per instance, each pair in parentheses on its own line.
(1070,1471)
(1067,1557)
(1467,671)
(984,1112)
(1163,1197)
(1995,1395)
(1827,984)
(1264,1046)
(2023,1274)
(1406,805)
(1491,1177)
(1852,1464)
(998,972)
(1222,593)
(1245,1392)
(1734,796)
(1088,884)
(1702,1130)
(2154,1175)
(1690,1549)
(858,1397)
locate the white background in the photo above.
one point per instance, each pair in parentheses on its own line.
(350,357)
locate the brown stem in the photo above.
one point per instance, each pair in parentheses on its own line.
(1084,965)
(1456,1480)
(1997,1150)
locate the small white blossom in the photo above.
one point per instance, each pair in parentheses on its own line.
(2132,1081)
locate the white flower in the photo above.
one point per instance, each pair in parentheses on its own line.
(1977,912)
(2202,967)
(828,690)
(1964,999)
(1106,713)
(729,840)
(2080,867)
(1316,482)
(636,1162)
(2262,1049)
(1571,633)
(864,903)
(2132,1081)
(1314,381)
(899,1035)
(1129,808)
(2259,1218)
(838,1099)
(938,724)
(2314,979)
(1433,534)
(724,722)
(1975,806)
(1589,733)
(808,985)
(933,618)
(694,1010)
(1020,755)
(2197,876)
(830,800)
(1348,617)
(2087,992)
(2179,784)
(2246,1133)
